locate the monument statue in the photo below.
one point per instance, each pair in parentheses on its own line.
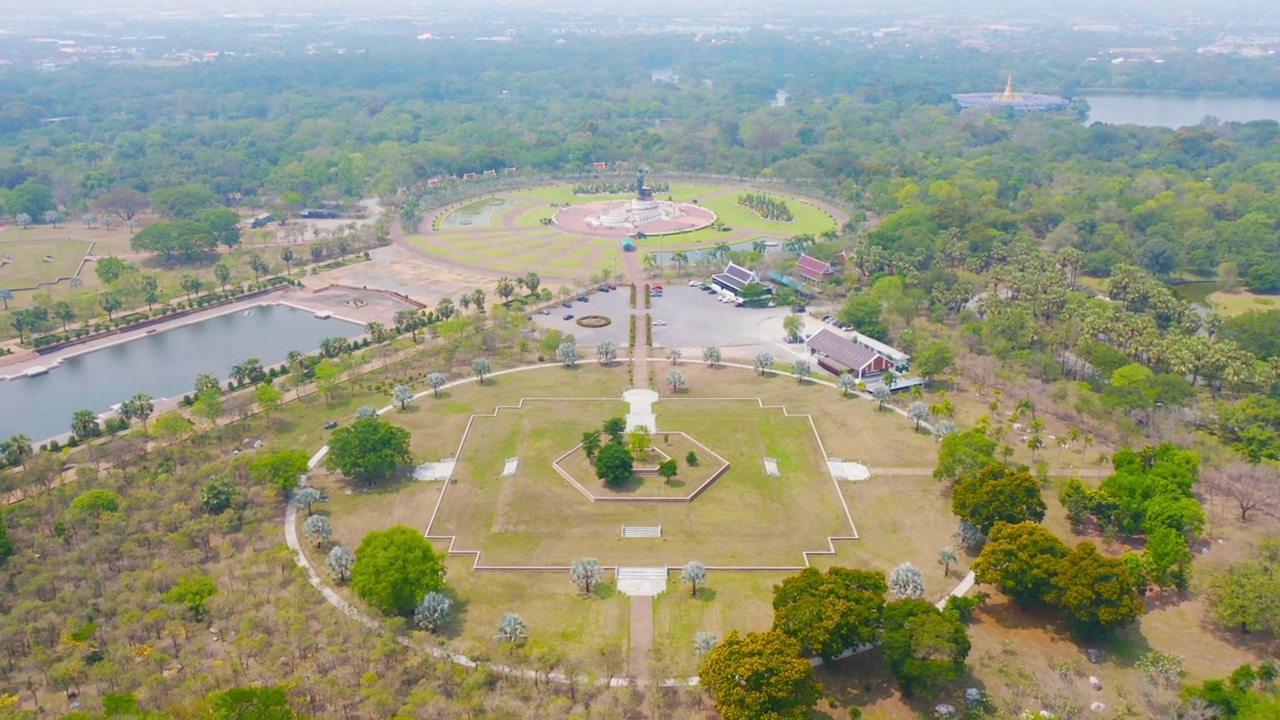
(640,173)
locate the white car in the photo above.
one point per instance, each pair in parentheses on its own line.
(694,283)
(659,322)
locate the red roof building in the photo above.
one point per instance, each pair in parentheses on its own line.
(811,268)
(837,355)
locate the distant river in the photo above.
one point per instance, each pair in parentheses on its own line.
(161,365)
(1175,111)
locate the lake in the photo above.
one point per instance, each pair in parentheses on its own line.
(1175,111)
(161,365)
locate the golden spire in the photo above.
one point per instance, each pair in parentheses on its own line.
(1009,95)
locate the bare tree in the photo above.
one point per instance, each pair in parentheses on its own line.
(1254,488)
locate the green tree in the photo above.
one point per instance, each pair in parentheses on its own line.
(1022,560)
(124,203)
(830,612)
(16,450)
(111,268)
(183,238)
(793,326)
(84,424)
(591,444)
(394,568)
(368,450)
(614,428)
(6,545)
(185,202)
(668,470)
(1168,558)
(94,504)
(217,496)
(1246,595)
(191,591)
(269,398)
(964,453)
(924,648)
(222,272)
(863,313)
(251,703)
(935,360)
(995,494)
(223,224)
(760,677)
(1096,593)
(30,198)
(614,464)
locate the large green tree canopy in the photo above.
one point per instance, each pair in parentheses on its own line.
(394,568)
(760,677)
(368,450)
(995,494)
(830,612)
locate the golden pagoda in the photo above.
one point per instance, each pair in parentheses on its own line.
(1009,95)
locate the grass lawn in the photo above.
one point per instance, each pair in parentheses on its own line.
(736,521)
(808,218)
(1230,304)
(578,628)
(741,601)
(29,268)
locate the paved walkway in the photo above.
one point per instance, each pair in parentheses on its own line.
(641,638)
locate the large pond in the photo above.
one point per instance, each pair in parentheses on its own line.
(1175,111)
(161,365)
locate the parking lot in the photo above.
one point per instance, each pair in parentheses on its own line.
(684,317)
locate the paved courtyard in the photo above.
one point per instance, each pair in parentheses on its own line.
(694,319)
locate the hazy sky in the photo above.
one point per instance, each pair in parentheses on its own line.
(1222,9)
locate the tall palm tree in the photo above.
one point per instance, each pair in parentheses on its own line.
(720,250)
(680,258)
(759,246)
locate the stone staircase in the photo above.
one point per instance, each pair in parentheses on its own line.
(642,582)
(641,531)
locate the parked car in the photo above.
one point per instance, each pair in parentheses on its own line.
(798,308)
(544,312)
(584,298)
(568,317)
(331,425)
(659,322)
(694,283)
(612,286)
(566,304)
(603,288)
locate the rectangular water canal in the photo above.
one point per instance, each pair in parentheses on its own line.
(161,365)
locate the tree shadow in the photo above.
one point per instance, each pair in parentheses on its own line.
(705,594)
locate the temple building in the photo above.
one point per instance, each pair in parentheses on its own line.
(1010,99)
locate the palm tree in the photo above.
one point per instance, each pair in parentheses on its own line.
(759,246)
(6,296)
(511,629)
(720,250)
(84,424)
(287,256)
(650,261)
(138,407)
(64,312)
(680,258)
(694,574)
(376,330)
(946,558)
